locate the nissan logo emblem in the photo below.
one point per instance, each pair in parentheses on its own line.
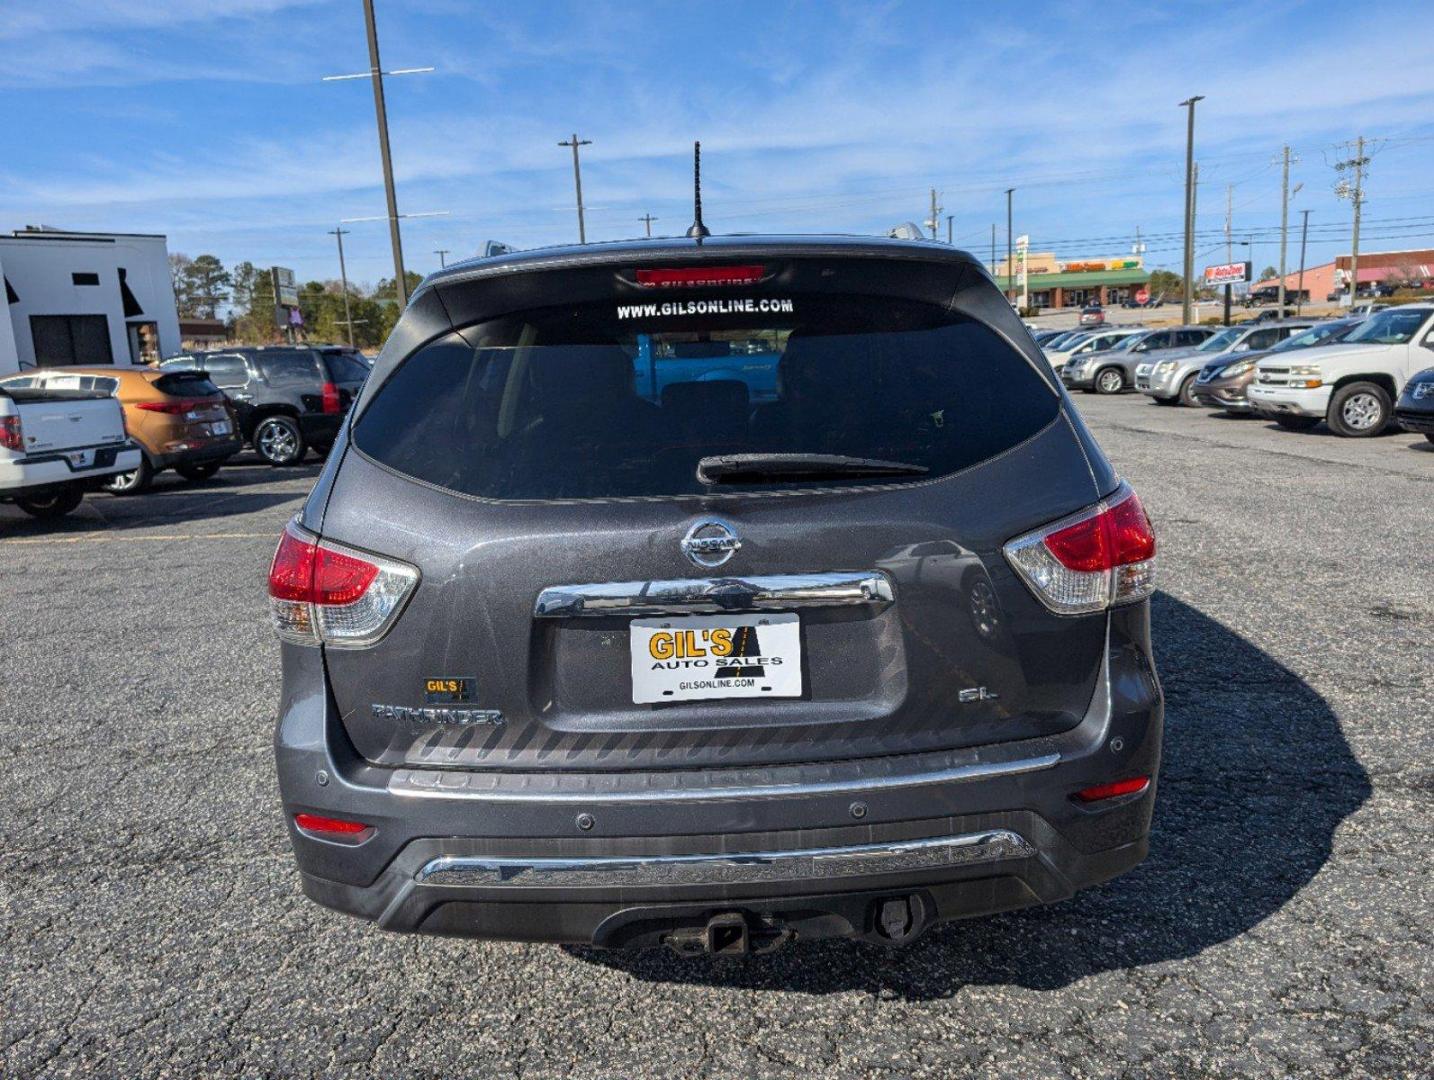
(710,543)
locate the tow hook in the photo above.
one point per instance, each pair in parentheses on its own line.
(728,933)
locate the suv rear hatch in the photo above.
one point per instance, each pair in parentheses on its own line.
(577,577)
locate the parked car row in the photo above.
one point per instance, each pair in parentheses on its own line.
(1357,374)
(191,414)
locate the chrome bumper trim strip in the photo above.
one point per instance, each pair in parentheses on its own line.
(726,868)
(416,783)
(688,596)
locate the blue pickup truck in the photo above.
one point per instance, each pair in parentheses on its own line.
(749,361)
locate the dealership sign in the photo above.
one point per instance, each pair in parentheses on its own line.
(1228,274)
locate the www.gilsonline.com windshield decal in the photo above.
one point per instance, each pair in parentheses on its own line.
(744,306)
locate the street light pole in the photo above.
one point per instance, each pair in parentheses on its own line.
(1300,288)
(949,219)
(442,254)
(1189,268)
(338,234)
(376,73)
(575,142)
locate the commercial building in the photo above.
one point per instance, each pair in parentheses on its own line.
(85,298)
(1059,283)
(1375,267)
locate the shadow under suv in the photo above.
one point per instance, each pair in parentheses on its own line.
(713,593)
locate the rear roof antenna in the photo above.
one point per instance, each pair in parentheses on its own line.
(697,230)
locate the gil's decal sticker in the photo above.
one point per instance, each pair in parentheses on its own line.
(766,305)
(449,689)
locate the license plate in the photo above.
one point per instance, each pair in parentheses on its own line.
(703,657)
(221,428)
(80,457)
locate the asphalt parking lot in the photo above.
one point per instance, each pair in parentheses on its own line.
(152,922)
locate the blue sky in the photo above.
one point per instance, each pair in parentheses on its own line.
(207,120)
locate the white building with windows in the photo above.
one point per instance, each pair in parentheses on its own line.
(85,298)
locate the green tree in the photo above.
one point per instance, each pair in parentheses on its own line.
(1267,273)
(1164,282)
(206,285)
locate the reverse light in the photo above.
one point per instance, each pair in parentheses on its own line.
(325,593)
(12,434)
(693,276)
(1114,789)
(329,400)
(1092,560)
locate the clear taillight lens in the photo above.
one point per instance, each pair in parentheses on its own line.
(322,592)
(1099,557)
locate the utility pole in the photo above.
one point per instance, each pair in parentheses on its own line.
(949,219)
(1356,194)
(1010,245)
(1189,105)
(376,74)
(934,222)
(1284,225)
(993,249)
(1229,246)
(648,219)
(339,233)
(442,254)
(1300,288)
(575,142)
(1194,198)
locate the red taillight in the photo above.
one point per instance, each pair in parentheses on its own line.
(1116,536)
(173,407)
(1103,556)
(330,398)
(1131,786)
(693,276)
(320,592)
(336,826)
(12,434)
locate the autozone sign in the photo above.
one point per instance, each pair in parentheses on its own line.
(1228,274)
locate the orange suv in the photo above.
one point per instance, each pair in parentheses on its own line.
(180,419)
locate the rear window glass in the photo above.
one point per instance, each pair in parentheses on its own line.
(593,402)
(285,366)
(185,384)
(344,368)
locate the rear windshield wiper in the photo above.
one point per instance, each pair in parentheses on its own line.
(756,468)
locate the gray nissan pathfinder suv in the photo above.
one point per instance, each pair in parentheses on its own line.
(715,593)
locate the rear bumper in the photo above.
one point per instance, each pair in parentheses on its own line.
(625,860)
(37,471)
(320,427)
(198,455)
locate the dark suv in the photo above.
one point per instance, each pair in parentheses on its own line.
(579,648)
(286,398)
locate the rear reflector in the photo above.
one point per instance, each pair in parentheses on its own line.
(693,276)
(320,592)
(1131,786)
(1087,562)
(315,823)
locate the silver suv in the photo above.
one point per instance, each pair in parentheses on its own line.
(1113,370)
(1171,379)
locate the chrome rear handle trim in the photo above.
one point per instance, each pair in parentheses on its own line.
(689,596)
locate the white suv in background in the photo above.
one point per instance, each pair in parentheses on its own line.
(1352,385)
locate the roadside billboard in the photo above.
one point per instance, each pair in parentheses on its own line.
(1228,274)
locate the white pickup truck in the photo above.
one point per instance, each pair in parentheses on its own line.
(56,444)
(1353,385)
